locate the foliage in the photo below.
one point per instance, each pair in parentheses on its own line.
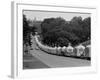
(27,30)
(60,32)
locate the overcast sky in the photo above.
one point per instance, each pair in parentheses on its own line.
(40,15)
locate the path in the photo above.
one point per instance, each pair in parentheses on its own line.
(57,61)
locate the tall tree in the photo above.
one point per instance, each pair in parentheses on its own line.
(26,31)
(61,32)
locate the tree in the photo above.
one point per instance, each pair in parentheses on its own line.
(87,28)
(26,31)
(61,32)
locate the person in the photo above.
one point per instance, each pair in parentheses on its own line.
(63,50)
(55,50)
(88,51)
(59,50)
(80,50)
(69,49)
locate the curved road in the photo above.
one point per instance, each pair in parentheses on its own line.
(56,61)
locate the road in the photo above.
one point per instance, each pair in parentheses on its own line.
(54,61)
(30,62)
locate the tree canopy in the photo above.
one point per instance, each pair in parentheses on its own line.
(27,30)
(60,32)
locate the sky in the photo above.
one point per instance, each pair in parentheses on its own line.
(40,15)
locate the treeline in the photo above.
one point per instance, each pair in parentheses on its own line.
(27,30)
(59,32)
